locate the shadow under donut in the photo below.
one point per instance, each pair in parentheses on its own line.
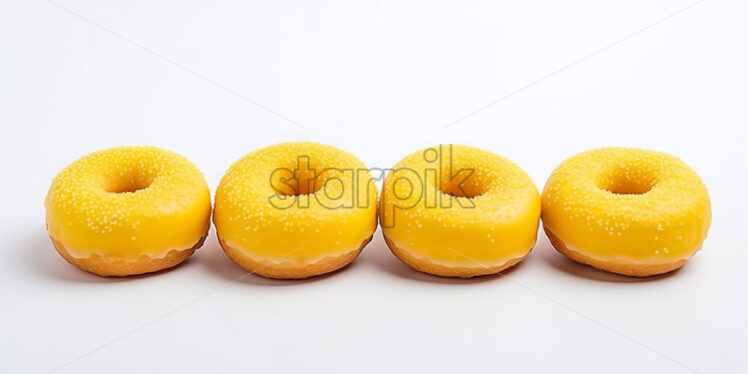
(218,263)
(40,257)
(560,262)
(385,260)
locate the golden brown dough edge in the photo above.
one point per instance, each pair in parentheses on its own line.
(631,270)
(288,270)
(122,266)
(428,267)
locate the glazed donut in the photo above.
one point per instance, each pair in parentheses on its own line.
(458,211)
(295,210)
(128,210)
(627,211)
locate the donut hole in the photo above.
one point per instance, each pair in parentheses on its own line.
(471,187)
(298,190)
(627,181)
(129,182)
(302,182)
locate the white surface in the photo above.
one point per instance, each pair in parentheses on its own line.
(379,79)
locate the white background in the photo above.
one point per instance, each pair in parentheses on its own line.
(379,79)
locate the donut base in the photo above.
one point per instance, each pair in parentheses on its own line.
(288,270)
(123,266)
(623,268)
(429,267)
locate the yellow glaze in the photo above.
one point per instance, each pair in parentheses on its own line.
(436,227)
(283,226)
(128,202)
(627,207)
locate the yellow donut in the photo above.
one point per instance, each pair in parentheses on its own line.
(459,211)
(128,210)
(628,211)
(295,210)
